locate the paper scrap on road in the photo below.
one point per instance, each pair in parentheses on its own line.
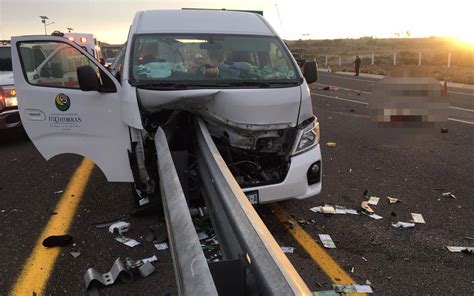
(287,249)
(400,224)
(365,206)
(75,254)
(393,200)
(144,201)
(418,218)
(449,194)
(373,200)
(316,209)
(331,144)
(454,249)
(336,209)
(127,241)
(375,216)
(352,289)
(327,209)
(59,191)
(161,246)
(327,241)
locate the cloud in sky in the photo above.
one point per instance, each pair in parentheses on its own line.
(110,19)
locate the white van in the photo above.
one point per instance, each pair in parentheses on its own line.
(230,68)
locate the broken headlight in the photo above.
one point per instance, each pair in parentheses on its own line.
(307,137)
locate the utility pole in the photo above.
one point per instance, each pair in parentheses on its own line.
(69,30)
(43,20)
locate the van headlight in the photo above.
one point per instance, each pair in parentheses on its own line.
(307,137)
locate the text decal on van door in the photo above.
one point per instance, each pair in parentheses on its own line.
(62,102)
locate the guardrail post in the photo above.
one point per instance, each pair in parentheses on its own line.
(326,61)
(420,54)
(395,59)
(340,61)
(449,60)
(373,59)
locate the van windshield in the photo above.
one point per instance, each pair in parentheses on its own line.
(207,59)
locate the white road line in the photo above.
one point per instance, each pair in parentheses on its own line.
(345,88)
(365,103)
(348,78)
(462,121)
(342,99)
(460,93)
(462,109)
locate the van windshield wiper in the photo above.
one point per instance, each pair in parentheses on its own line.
(161,85)
(262,84)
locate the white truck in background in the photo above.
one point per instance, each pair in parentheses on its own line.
(88,42)
(230,68)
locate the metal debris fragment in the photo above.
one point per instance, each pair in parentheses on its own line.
(161,246)
(448,194)
(119,227)
(75,254)
(373,200)
(146,269)
(327,241)
(59,191)
(393,200)
(331,144)
(93,278)
(352,289)
(453,249)
(365,206)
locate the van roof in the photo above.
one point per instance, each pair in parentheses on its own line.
(202,21)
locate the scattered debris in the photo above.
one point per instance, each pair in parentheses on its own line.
(287,249)
(59,191)
(161,246)
(93,278)
(352,269)
(326,293)
(150,259)
(468,250)
(57,241)
(144,201)
(146,269)
(334,209)
(444,130)
(393,200)
(352,289)
(119,227)
(331,144)
(127,241)
(373,200)
(75,254)
(418,218)
(365,206)
(375,216)
(327,241)
(400,224)
(448,194)
(157,233)
(327,209)
(366,191)
(367,282)
(202,235)
(363,258)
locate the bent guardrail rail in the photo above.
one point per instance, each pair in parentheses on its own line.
(238,223)
(192,273)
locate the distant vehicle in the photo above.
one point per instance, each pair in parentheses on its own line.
(88,42)
(229,68)
(9,117)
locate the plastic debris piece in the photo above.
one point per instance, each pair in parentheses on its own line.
(393,200)
(328,209)
(287,249)
(119,227)
(325,293)
(150,259)
(316,209)
(418,218)
(453,249)
(161,246)
(340,210)
(352,289)
(106,224)
(400,224)
(352,211)
(59,191)
(365,206)
(144,201)
(127,241)
(448,194)
(331,144)
(327,241)
(146,269)
(75,254)
(57,241)
(373,200)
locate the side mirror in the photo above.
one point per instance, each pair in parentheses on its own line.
(310,71)
(87,78)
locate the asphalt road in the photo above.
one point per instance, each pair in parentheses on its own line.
(414,168)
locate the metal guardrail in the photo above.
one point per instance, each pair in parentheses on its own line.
(232,211)
(192,273)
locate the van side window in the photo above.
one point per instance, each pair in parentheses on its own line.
(58,68)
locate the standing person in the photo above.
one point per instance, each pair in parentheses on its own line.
(357,62)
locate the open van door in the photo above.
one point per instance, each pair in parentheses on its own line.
(69,103)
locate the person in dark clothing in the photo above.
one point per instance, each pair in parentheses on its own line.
(357,65)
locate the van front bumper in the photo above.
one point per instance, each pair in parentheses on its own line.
(9,119)
(296,183)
